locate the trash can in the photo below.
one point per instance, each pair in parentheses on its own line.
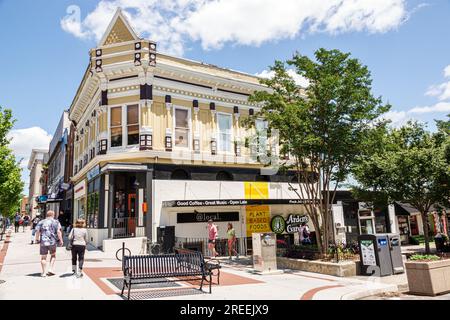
(396,253)
(439,241)
(375,255)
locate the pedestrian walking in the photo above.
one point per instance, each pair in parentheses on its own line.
(34,223)
(26,221)
(62,220)
(212,237)
(78,237)
(231,235)
(49,235)
(16,222)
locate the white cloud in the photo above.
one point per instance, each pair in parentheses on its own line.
(397,118)
(23,141)
(447,71)
(299,80)
(438,107)
(247,22)
(442,91)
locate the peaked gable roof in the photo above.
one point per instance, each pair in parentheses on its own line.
(119,30)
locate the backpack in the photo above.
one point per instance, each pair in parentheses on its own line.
(305,233)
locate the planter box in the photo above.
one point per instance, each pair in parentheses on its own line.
(341,269)
(428,278)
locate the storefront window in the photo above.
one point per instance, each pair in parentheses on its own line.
(366,226)
(93,203)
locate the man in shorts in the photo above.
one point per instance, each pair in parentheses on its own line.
(49,235)
(212,237)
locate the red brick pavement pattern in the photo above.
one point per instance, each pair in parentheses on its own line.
(309,295)
(4,250)
(97,274)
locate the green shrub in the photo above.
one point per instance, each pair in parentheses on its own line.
(424,257)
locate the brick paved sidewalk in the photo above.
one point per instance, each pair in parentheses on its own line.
(21,273)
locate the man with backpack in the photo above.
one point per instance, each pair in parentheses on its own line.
(49,235)
(304,234)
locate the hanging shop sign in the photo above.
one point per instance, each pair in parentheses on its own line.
(290,225)
(203,217)
(258,219)
(94,172)
(80,190)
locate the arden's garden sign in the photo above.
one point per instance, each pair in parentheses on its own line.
(291,225)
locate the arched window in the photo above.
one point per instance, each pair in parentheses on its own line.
(224,176)
(179,174)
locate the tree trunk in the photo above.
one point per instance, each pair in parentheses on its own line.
(426,232)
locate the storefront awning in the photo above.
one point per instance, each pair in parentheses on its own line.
(231,202)
(124,167)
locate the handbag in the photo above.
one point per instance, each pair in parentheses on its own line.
(70,243)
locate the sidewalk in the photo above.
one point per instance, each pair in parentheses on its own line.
(21,271)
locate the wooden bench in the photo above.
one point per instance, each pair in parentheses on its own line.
(210,265)
(179,265)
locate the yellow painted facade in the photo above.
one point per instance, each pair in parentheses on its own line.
(183,80)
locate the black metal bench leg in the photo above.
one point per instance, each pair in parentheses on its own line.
(201,283)
(218,277)
(129,289)
(210,282)
(123,287)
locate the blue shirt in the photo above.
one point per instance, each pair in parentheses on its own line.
(48,230)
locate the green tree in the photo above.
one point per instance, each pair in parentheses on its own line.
(411,167)
(324,128)
(11,185)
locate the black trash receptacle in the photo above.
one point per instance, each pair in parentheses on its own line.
(439,241)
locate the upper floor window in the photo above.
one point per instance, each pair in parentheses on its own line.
(261,136)
(182,128)
(116,127)
(124,120)
(133,124)
(225,125)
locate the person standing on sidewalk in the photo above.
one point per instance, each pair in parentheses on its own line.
(212,237)
(26,221)
(231,235)
(79,238)
(34,223)
(16,222)
(48,233)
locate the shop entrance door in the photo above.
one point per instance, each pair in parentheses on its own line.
(132,214)
(414,225)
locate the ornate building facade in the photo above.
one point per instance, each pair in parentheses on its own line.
(159,145)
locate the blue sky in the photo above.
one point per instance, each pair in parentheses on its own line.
(405,44)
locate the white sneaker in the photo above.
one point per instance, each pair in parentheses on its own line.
(43,275)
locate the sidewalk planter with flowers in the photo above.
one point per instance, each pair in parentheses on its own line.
(337,269)
(428,275)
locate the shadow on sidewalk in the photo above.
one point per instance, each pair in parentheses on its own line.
(35,275)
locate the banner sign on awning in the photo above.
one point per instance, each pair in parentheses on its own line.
(237,202)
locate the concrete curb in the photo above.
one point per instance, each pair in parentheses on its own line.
(370,292)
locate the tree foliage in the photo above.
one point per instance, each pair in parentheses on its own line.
(412,166)
(325,127)
(11,185)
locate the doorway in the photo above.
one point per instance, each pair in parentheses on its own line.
(126,201)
